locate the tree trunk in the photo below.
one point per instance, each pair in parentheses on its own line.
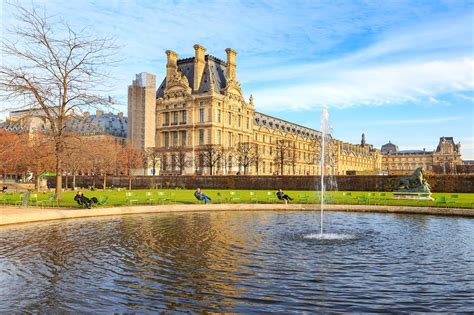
(37,183)
(66,184)
(74,181)
(104,185)
(59,180)
(129,182)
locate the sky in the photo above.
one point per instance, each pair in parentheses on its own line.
(399,71)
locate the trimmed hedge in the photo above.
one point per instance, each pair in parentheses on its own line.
(438,183)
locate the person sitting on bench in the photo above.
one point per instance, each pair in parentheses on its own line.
(282,196)
(201,196)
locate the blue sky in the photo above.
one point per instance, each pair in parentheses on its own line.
(395,70)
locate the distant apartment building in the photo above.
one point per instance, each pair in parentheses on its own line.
(99,125)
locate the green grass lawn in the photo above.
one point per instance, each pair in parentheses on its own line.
(183,196)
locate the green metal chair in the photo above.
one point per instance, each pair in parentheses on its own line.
(50,201)
(452,200)
(347,197)
(234,197)
(372,199)
(130,197)
(303,198)
(271,197)
(149,198)
(440,201)
(162,197)
(382,199)
(102,201)
(253,197)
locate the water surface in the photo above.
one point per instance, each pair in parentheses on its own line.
(239,262)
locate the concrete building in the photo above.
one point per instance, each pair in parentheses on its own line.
(200,123)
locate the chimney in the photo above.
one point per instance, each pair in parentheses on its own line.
(230,73)
(171,65)
(199,62)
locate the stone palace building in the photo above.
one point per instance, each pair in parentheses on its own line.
(446,159)
(198,122)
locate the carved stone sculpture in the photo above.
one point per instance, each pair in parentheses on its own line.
(414,183)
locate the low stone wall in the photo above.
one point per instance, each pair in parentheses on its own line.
(438,183)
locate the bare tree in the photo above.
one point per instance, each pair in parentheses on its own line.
(257,159)
(74,150)
(181,158)
(11,151)
(131,158)
(39,157)
(211,155)
(101,156)
(228,155)
(153,155)
(54,70)
(282,154)
(245,155)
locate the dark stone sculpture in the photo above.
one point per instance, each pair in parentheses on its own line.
(414,183)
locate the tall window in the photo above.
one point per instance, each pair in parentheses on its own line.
(175,138)
(201,115)
(167,139)
(239,119)
(175,118)
(167,119)
(183,138)
(248,123)
(240,138)
(229,139)
(183,120)
(218,136)
(201,136)
(219,115)
(230,118)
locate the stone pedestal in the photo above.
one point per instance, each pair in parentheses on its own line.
(412,195)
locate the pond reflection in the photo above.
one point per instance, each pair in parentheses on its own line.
(239,262)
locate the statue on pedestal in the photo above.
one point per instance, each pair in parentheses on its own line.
(414,183)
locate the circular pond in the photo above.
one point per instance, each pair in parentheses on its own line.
(239,262)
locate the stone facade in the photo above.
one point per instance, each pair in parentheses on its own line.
(100,125)
(446,159)
(200,123)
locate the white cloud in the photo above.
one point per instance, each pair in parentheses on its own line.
(375,85)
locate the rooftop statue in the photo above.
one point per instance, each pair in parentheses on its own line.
(414,183)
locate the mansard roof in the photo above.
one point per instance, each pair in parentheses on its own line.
(214,73)
(450,140)
(389,148)
(281,125)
